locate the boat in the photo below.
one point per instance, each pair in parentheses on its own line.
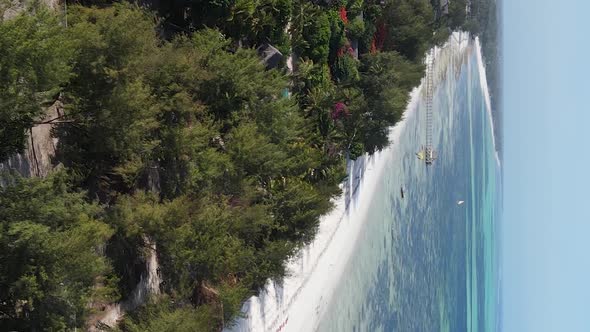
(427,154)
(421,154)
(401,189)
(460,202)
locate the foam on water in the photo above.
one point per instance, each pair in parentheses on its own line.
(302,299)
(484,86)
(298,302)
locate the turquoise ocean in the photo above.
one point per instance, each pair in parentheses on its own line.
(425,262)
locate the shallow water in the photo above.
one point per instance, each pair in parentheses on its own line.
(424,263)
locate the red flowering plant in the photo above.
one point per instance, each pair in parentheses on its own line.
(339,110)
(343,15)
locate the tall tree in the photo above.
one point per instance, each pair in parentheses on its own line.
(112,112)
(409,24)
(35,58)
(50,242)
(386,81)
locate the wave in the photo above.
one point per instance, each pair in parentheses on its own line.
(484,85)
(298,302)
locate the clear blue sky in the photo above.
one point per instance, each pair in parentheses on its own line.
(546,224)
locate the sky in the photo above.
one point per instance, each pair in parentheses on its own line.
(546,222)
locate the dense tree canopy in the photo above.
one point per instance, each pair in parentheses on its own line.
(35,62)
(50,241)
(386,79)
(186,140)
(108,100)
(235,161)
(409,26)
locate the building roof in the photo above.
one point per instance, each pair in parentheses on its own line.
(270,55)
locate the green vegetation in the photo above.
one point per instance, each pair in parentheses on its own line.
(387,78)
(189,142)
(50,240)
(34,63)
(164,317)
(409,27)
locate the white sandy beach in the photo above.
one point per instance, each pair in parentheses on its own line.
(298,303)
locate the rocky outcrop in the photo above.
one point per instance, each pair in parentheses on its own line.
(37,158)
(149,285)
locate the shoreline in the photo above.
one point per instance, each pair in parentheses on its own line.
(484,85)
(299,302)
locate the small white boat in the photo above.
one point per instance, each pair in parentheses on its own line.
(460,202)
